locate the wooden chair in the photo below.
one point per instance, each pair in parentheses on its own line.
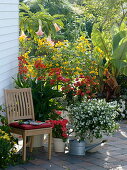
(19,106)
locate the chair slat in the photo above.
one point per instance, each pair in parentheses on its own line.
(19,104)
(26,104)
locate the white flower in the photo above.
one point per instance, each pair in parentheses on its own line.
(93,115)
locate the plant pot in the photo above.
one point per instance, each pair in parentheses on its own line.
(59,145)
(76,147)
(38,141)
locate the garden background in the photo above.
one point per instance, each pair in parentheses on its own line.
(68,51)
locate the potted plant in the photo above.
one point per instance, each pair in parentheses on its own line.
(59,131)
(93,118)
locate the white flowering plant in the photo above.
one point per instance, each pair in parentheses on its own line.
(94,118)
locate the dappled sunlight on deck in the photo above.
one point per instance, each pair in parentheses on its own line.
(112,155)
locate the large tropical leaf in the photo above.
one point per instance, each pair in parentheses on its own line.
(119,59)
(117,38)
(119,67)
(120,53)
(101,40)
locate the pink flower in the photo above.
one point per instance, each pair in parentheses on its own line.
(49,40)
(22,36)
(57,28)
(40,32)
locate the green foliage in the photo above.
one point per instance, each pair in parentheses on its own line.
(29,20)
(7,144)
(122,81)
(119,60)
(114,51)
(105,13)
(74,23)
(101,40)
(45,98)
(118,37)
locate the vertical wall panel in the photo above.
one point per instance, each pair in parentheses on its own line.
(9,32)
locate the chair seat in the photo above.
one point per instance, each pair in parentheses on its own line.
(29,127)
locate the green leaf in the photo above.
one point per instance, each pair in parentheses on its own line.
(101,40)
(121,52)
(117,38)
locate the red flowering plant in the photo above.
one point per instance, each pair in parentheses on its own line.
(54,72)
(59,128)
(82,86)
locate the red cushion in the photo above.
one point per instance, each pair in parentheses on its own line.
(29,127)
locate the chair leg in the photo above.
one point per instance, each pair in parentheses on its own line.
(31,143)
(49,145)
(24,147)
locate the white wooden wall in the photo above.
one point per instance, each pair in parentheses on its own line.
(9,32)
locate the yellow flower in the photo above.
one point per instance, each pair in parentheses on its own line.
(65,40)
(26,55)
(91,72)
(65,63)
(99,50)
(40,42)
(59,44)
(50,65)
(53,58)
(76,73)
(79,69)
(82,38)
(23,36)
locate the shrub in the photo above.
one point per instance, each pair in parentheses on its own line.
(94,118)
(7,149)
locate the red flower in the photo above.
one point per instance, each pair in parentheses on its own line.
(82,94)
(77,79)
(88,91)
(63,88)
(64,135)
(52,81)
(65,121)
(64,129)
(79,92)
(55,71)
(40,78)
(24,77)
(58,112)
(23,70)
(82,76)
(38,65)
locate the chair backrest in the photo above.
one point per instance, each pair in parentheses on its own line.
(19,104)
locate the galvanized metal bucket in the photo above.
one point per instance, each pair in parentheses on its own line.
(79,147)
(76,147)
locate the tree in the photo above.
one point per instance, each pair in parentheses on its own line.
(30,21)
(105,13)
